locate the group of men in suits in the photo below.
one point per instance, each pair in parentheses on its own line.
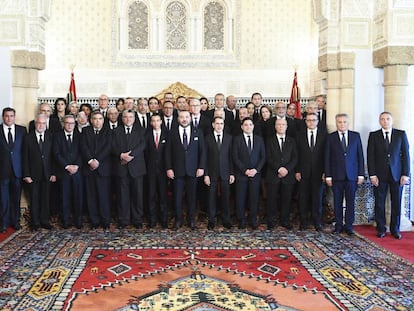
(138,156)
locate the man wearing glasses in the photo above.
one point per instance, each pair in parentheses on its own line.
(309,172)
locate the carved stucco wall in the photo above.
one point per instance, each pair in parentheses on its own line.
(270,38)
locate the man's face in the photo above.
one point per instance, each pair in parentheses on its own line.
(280,109)
(129,104)
(182,104)
(281,126)
(153,105)
(41,125)
(69,124)
(128,118)
(218,125)
(385,121)
(143,106)
(168,109)
(243,113)
(231,102)
(219,101)
(97,121)
(168,97)
(82,118)
(184,118)
(247,127)
(312,107)
(342,124)
(311,121)
(112,115)
(103,102)
(195,108)
(156,122)
(257,100)
(45,109)
(8,118)
(320,102)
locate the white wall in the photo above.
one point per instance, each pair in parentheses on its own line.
(5,78)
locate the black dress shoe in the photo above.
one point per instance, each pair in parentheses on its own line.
(65,225)
(152,224)
(270,226)
(94,226)
(242,226)
(397,235)
(121,226)
(17,227)
(193,225)
(350,232)
(3,230)
(318,227)
(255,226)
(105,226)
(164,225)
(210,226)
(47,226)
(288,226)
(227,226)
(336,231)
(381,235)
(138,226)
(303,227)
(177,225)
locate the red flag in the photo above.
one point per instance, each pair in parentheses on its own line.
(72,89)
(295,97)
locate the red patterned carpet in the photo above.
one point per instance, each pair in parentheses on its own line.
(403,248)
(200,270)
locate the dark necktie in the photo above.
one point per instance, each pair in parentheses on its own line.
(249,143)
(312,141)
(128,130)
(185,141)
(69,141)
(40,143)
(113,126)
(168,124)
(195,122)
(218,141)
(281,143)
(10,139)
(343,141)
(387,141)
(144,125)
(96,132)
(157,140)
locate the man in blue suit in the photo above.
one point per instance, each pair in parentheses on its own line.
(185,160)
(344,171)
(388,167)
(249,157)
(11,142)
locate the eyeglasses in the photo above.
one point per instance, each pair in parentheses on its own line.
(311,120)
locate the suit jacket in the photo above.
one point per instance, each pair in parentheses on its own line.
(228,116)
(291,126)
(396,158)
(54,125)
(276,158)
(243,160)
(311,163)
(96,147)
(173,124)
(11,159)
(39,165)
(155,157)
(66,154)
(204,124)
(219,161)
(136,143)
(344,165)
(185,162)
(147,120)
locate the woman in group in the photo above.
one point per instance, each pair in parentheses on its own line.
(73,108)
(87,109)
(59,109)
(120,104)
(205,105)
(265,125)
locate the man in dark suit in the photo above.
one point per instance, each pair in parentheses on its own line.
(128,145)
(320,101)
(143,115)
(96,170)
(38,172)
(249,156)
(103,105)
(280,109)
(185,161)
(219,172)
(52,124)
(236,128)
(66,148)
(281,159)
(344,171)
(309,172)
(231,102)
(11,143)
(198,120)
(111,121)
(388,167)
(168,119)
(219,105)
(156,140)
(256,100)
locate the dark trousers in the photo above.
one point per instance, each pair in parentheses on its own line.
(380,194)
(72,198)
(247,191)
(98,199)
(339,189)
(310,201)
(10,193)
(279,200)
(157,186)
(131,209)
(187,184)
(39,202)
(213,191)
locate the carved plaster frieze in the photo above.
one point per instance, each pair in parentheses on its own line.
(336,61)
(26,59)
(13,6)
(393,55)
